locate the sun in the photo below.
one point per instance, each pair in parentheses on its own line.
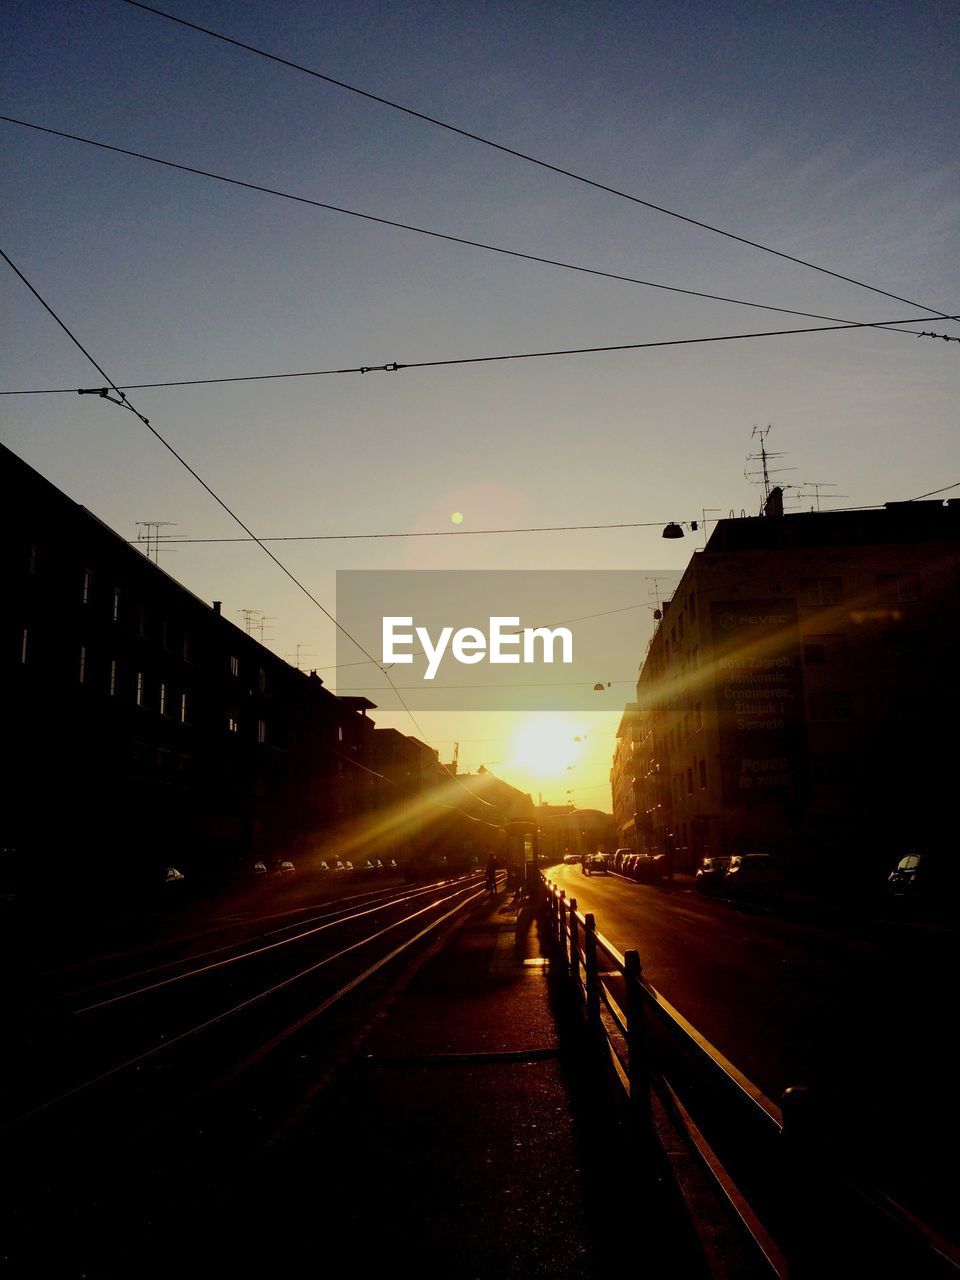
(542,746)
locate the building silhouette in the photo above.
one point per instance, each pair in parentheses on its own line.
(798,691)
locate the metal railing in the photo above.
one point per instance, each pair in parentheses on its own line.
(773,1164)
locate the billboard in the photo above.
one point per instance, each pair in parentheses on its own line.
(759,684)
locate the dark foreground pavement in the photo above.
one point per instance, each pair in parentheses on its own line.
(473,1136)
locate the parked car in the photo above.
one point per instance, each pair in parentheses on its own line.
(337,865)
(173,875)
(390,866)
(285,868)
(619,857)
(646,867)
(259,870)
(710,874)
(912,876)
(753,875)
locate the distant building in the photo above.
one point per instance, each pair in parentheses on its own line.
(623,785)
(143,727)
(565,829)
(798,690)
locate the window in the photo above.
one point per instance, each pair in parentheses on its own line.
(898,646)
(831,706)
(86,590)
(184,708)
(164,698)
(113,677)
(233,722)
(703,775)
(233,664)
(261,731)
(139,693)
(896,588)
(262,679)
(339,732)
(24,645)
(115,607)
(820,591)
(825,648)
(83,664)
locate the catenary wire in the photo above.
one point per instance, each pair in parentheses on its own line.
(395,366)
(424,231)
(529,159)
(125,404)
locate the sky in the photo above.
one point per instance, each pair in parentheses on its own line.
(825,130)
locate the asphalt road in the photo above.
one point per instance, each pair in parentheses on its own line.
(862,1014)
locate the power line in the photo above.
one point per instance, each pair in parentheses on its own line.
(423,231)
(520,155)
(395,366)
(933,492)
(431,533)
(124,403)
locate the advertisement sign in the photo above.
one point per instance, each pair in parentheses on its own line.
(759,683)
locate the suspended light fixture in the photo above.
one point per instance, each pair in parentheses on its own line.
(672,530)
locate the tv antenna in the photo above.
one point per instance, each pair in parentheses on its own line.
(764,457)
(151,536)
(816,486)
(301,648)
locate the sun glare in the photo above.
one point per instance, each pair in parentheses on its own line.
(543,745)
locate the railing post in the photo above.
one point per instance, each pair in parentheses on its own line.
(592,970)
(574,942)
(638,1048)
(561,921)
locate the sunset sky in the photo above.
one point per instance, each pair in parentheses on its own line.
(827,131)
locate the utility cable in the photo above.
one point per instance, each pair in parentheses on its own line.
(396,366)
(520,155)
(424,231)
(124,403)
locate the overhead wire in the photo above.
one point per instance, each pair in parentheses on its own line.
(527,158)
(124,403)
(424,231)
(396,366)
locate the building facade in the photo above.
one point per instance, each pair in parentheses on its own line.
(797,689)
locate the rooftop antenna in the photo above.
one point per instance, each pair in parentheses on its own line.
(763,457)
(152,536)
(251,619)
(816,486)
(301,648)
(658,611)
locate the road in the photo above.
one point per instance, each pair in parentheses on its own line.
(862,1014)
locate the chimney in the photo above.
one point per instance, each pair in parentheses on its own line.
(774,504)
(216,607)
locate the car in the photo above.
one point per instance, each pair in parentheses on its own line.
(365,868)
(323,867)
(390,866)
(259,870)
(595,864)
(337,865)
(619,857)
(710,874)
(915,875)
(285,868)
(173,875)
(348,867)
(753,875)
(647,867)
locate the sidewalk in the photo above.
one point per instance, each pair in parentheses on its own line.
(469,1142)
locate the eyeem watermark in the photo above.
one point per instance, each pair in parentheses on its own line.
(493,640)
(470,645)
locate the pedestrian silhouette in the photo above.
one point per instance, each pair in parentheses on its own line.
(491,873)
